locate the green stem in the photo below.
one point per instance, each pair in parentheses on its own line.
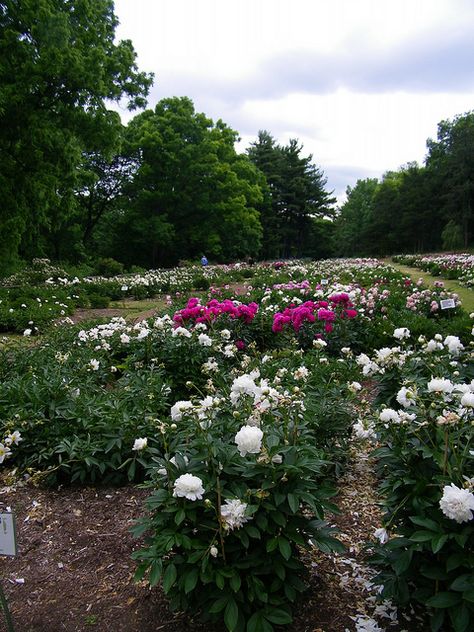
(4,604)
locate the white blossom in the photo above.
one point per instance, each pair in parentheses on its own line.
(179,408)
(467,400)
(406,397)
(204,340)
(181,331)
(381,535)
(140,444)
(249,440)
(457,504)
(388,414)
(401,333)
(454,345)
(4,452)
(440,385)
(188,486)
(233,514)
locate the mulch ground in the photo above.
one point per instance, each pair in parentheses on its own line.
(74,573)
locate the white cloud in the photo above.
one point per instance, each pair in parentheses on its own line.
(362,84)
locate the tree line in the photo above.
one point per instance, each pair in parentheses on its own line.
(417,208)
(76,185)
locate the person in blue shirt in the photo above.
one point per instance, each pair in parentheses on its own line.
(204,260)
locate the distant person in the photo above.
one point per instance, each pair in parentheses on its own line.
(204,260)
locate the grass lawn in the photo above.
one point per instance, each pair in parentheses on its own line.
(465,294)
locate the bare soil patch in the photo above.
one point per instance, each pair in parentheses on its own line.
(74,572)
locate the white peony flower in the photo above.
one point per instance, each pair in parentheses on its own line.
(13,438)
(401,333)
(406,397)
(140,444)
(301,373)
(454,345)
(249,440)
(94,364)
(381,535)
(233,514)
(388,414)
(188,486)
(467,400)
(5,452)
(179,408)
(457,504)
(354,387)
(440,385)
(213,551)
(27,332)
(319,344)
(204,340)
(362,432)
(181,331)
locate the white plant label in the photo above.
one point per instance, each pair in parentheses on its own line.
(447,303)
(7,534)
(324,281)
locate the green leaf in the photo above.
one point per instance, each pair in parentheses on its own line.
(425,522)
(468,595)
(180,516)
(460,618)
(191,580)
(293,502)
(438,542)
(231,615)
(421,536)
(169,577)
(253,532)
(285,547)
(219,605)
(463,582)
(155,574)
(455,561)
(402,562)
(235,582)
(272,544)
(444,600)
(278,616)
(220,581)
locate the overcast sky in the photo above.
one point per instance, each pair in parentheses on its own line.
(361,83)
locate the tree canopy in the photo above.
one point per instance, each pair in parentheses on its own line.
(59,65)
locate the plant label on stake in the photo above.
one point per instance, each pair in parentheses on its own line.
(447,303)
(324,281)
(7,534)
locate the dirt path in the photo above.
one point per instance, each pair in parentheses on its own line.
(74,572)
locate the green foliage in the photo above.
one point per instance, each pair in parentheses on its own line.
(452,236)
(243,570)
(294,197)
(206,196)
(59,65)
(429,559)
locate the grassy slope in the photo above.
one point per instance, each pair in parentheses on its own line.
(465,294)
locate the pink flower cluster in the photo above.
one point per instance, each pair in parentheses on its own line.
(310,311)
(197,313)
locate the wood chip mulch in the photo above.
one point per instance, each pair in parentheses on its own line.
(73,572)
